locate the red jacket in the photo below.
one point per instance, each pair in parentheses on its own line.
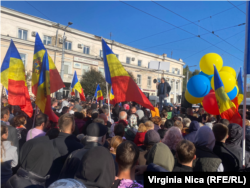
(139,138)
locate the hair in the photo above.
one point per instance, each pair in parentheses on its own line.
(19,120)
(247,123)
(65,109)
(4,130)
(119,130)
(66,121)
(142,128)
(163,78)
(114,143)
(78,115)
(224,121)
(54,101)
(156,120)
(165,114)
(53,133)
(195,115)
(127,154)
(105,111)
(89,111)
(124,116)
(162,133)
(220,132)
(185,151)
(163,120)
(186,122)
(149,125)
(40,119)
(172,137)
(4,111)
(183,110)
(169,123)
(94,114)
(178,124)
(180,118)
(99,120)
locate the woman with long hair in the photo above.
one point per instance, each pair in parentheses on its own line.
(114,143)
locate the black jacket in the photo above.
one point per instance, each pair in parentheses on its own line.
(248,138)
(24,178)
(167,88)
(73,161)
(64,144)
(229,160)
(182,168)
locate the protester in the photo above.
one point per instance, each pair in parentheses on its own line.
(168,124)
(224,121)
(163,90)
(53,133)
(247,135)
(79,121)
(142,117)
(155,112)
(67,183)
(193,128)
(157,122)
(162,133)
(149,125)
(100,169)
(122,116)
(140,135)
(185,154)
(114,143)
(9,156)
(19,123)
(178,124)
(119,130)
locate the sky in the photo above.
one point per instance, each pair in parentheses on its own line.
(156,28)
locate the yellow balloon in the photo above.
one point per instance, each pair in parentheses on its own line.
(191,99)
(228,80)
(208,61)
(237,89)
(229,70)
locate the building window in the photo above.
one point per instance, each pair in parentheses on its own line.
(22,34)
(23,57)
(138,79)
(85,68)
(67,45)
(46,40)
(172,85)
(149,81)
(101,70)
(66,69)
(86,49)
(173,70)
(177,85)
(101,53)
(139,63)
(128,59)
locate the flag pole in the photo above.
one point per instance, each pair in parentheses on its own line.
(246,57)
(108,100)
(34,118)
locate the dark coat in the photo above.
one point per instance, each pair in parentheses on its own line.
(193,128)
(182,168)
(167,88)
(65,144)
(248,138)
(73,161)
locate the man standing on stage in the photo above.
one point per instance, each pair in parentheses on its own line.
(163,91)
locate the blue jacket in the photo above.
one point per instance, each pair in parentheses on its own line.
(193,128)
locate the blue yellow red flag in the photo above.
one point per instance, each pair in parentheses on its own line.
(13,79)
(227,108)
(98,93)
(56,82)
(111,96)
(43,100)
(75,85)
(125,88)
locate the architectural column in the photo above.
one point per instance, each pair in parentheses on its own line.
(174,84)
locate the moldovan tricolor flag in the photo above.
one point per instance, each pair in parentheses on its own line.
(226,106)
(111,96)
(75,85)
(98,93)
(124,87)
(56,82)
(43,100)
(13,79)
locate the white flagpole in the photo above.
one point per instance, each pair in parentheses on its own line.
(107,88)
(245,85)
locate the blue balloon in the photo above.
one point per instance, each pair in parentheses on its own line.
(208,76)
(232,94)
(198,86)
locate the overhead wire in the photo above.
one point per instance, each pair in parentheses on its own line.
(236,7)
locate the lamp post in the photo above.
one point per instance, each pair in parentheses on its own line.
(62,63)
(188,71)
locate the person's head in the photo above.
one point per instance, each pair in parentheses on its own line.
(156,120)
(52,133)
(172,137)
(54,103)
(190,111)
(185,152)
(119,130)
(183,110)
(140,114)
(205,137)
(178,124)
(105,111)
(195,114)
(94,114)
(99,120)
(114,143)
(142,128)
(224,121)
(168,124)
(78,115)
(247,123)
(186,122)
(149,125)
(4,132)
(65,110)
(5,114)
(133,110)
(162,133)
(96,132)
(220,132)
(165,114)
(162,80)
(89,112)
(234,134)
(104,117)
(42,121)
(19,120)
(151,137)
(123,115)
(127,154)
(66,123)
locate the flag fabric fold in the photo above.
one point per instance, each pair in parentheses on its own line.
(43,100)
(75,85)
(56,82)
(111,96)
(98,93)
(13,79)
(227,108)
(124,87)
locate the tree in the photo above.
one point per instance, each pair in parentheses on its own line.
(196,72)
(90,80)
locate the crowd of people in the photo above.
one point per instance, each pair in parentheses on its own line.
(90,147)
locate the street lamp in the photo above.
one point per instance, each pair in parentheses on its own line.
(188,71)
(62,63)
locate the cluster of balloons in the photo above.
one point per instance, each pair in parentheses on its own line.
(200,88)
